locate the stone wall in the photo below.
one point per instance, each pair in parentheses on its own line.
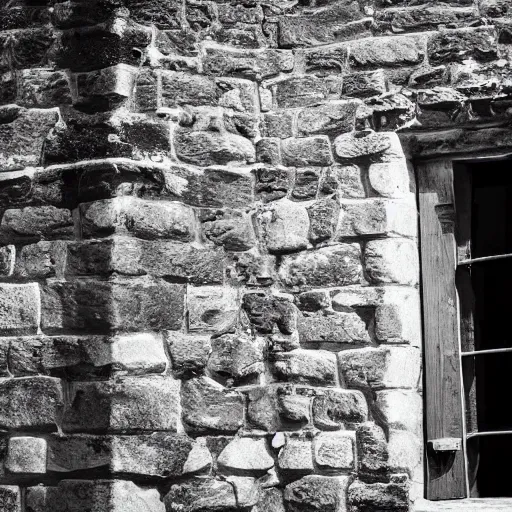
(209,296)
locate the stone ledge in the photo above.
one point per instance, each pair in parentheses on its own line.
(465,505)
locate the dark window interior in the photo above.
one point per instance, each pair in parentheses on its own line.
(491,234)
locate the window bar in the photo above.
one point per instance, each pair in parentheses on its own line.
(484,352)
(489,433)
(483,259)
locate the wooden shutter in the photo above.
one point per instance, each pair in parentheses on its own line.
(446,476)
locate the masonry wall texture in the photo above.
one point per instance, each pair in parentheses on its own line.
(209,294)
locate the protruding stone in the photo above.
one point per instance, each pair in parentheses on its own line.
(19,308)
(10,498)
(334,451)
(334,409)
(372,453)
(189,352)
(245,455)
(296,457)
(26,455)
(378,496)
(306,151)
(211,308)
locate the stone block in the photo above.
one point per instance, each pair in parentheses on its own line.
(10,498)
(179,88)
(306,151)
(268,151)
(390,179)
(273,183)
(252,64)
(296,456)
(372,453)
(342,329)
(36,222)
(189,352)
(316,367)
(327,60)
(22,136)
(379,368)
(237,356)
(323,219)
(334,451)
(335,409)
(26,455)
(200,494)
(400,409)
(393,260)
(377,218)
(305,90)
(31,403)
(378,496)
(211,308)
(405,452)
(314,493)
(365,83)
(129,305)
(105,89)
(94,496)
(208,407)
(306,183)
(332,118)
(41,260)
(284,225)
(19,308)
(337,265)
(233,231)
(355,146)
(271,500)
(345,180)
(456,45)
(211,147)
(43,88)
(246,456)
(131,404)
(7,259)
(277,124)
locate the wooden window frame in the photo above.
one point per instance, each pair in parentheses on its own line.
(447,304)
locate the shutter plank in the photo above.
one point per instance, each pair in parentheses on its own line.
(446,478)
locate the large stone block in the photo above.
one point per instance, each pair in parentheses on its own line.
(390,179)
(179,88)
(323,219)
(94,496)
(41,260)
(22,136)
(208,407)
(377,218)
(20,309)
(335,409)
(103,306)
(332,118)
(305,90)
(337,265)
(31,403)
(296,457)
(379,496)
(10,498)
(284,225)
(189,352)
(43,88)
(372,453)
(245,455)
(306,151)
(334,451)
(393,260)
(26,455)
(131,404)
(315,493)
(316,367)
(400,409)
(383,367)
(233,231)
(254,64)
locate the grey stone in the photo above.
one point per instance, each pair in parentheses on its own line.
(189,352)
(372,453)
(334,451)
(335,409)
(19,308)
(246,455)
(296,457)
(10,498)
(26,455)
(379,496)
(306,151)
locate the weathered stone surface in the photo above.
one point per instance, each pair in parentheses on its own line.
(130,404)
(372,453)
(334,451)
(306,151)
(37,222)
(272,183)
(42,260)
(268,311)
(270,500)
(26,455)
(189,352)
(392,261)
(207,407)
(323,219)
(285,226)
(365,83)
(340,328)
(94,495)
(332,118)
(405,452)
(254,64)
(315,493)
(43,88)
(400,409)
(389,179)
(32,403)
(179,88)
(384,367)
(22,136)
(306,183)
(277,124)
(7,259)
(246,455)
(305,90)
(237,356)
(337,265)
(234,232)
(315,367)
(201,494)
(364,144)
(130,305)
(19,308)
(211,308)
(10,498)
(336,408)
(296,457)
(378,496)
